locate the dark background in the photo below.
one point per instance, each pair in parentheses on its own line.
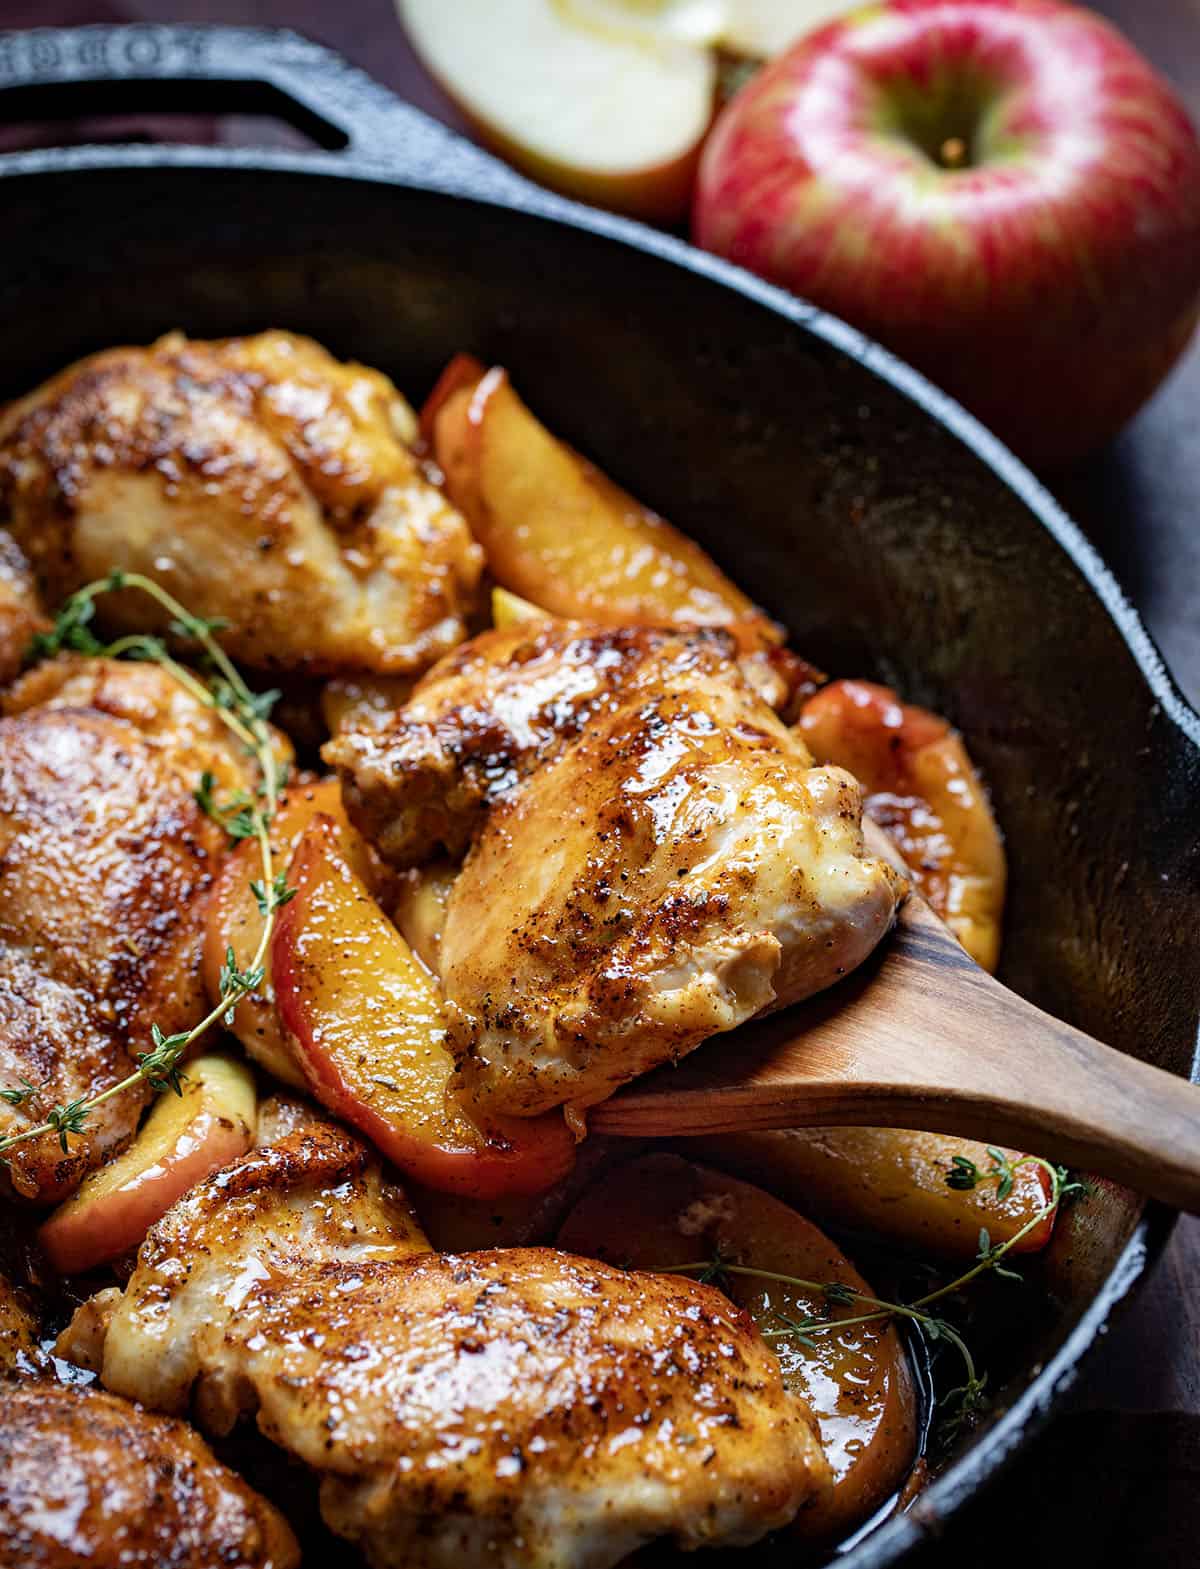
(1117,1479)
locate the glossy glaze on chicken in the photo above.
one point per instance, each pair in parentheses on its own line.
(532,860)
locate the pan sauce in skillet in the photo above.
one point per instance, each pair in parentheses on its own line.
(122,464)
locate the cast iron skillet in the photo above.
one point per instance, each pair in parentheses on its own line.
(890,532)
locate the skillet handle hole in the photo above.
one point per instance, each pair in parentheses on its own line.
(154,110)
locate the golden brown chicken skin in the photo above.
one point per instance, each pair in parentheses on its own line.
(313,1195)
(488,716)
(655,858)
(106,862)
(259,480)
(519,1409)
(87,1478)
(510,1408)
(22,614)
(19,1350)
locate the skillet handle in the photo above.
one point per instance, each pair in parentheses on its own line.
(71,71)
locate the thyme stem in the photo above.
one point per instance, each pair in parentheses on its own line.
(244,715)
(989,1258)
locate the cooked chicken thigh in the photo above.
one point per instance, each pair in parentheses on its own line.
(520,1409)
(259,480)
(314,1197)
(525,1408)
(655,859)
(86,1478)
(18,1330)
(106,862)
(487,716)
(21,611)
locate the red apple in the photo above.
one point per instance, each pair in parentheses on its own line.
(367,1024)
(1002,191)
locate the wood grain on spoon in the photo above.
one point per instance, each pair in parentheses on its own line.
(921,1037)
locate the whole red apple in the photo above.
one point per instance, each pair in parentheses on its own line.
(1002,191)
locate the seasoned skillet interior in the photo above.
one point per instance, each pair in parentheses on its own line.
(878,537)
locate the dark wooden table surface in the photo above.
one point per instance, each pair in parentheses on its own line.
(1140,502)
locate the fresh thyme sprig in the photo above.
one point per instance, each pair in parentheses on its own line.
(964,1401)
(241,814)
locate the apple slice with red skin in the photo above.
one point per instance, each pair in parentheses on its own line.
(235,920)
(922,787)
(184,1138)
(367,1024)
(463,373)
(558,532)
(661,1211)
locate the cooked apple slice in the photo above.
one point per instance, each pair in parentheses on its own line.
(922,787)
(367,1023)
(612,119)
(419,909)
(184,1138)
(462,373)
(661,1211)
(889,1182)
(508,609)
(235,921)
(561,535)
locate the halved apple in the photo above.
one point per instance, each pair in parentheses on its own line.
(660,1211)
(889,1182)
(758,29)
(184,1138)
(587,109)
(606,100)
(367,1023)
(235,921)
(557,532)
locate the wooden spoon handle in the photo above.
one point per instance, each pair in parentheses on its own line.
(926,1039)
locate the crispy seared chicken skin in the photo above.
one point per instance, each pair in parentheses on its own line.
(653,860)
(259,480)
(106,862)
(521,1409)
(21,611)
(19,1351)
(87,1478)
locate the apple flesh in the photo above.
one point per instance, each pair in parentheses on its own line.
(661,1211)
(509,609)
(235,920)
(587,109)
(560,534)
(1006,194)
(366,1022)
(419,909)
(183,1140)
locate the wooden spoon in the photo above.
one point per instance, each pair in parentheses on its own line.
(921,1037)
